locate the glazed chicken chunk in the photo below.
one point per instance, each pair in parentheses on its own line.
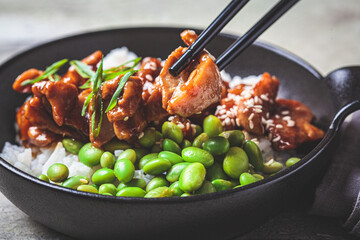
(196,87)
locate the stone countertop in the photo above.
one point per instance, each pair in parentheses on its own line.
(324,33)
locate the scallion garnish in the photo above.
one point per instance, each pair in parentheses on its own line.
(117,68)
(82,69)
(49,71)
(119,88)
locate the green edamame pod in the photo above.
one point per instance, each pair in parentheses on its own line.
(107,188)
(200,140)
(247,178)
(159,192)
(235,162)
(71,145)
(115,144)
(156,166)
(172,131)
(171,146)
(217,145)
(58,172)
(131,192)
(221,184)
(156,182)
(254,154)
(103,175)
(135,182)
(174,173)
(129,154)
(212,126)
(185,144)
(140,152)
(235,137)
(149,138)
(44,178)
(176,190)
(87,188)
(90,155)
(194,154)
(147,158)
(192,177)
(172,157)
(292,161)
(215,172)
(272,167)
(107,160)
(75,181)
(124,170)
(206,187)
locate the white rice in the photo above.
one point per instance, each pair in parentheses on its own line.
(23,159)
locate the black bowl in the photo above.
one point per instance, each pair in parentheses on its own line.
(213,216)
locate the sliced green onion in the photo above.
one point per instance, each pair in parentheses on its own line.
(82,69)
(117,68)
(52,69)
(97,106)
(86,104)
(118,90)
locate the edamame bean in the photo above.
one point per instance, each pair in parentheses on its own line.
(198,130)
(147,158)
(292,161)
(103,175)
(217,145)
(158,135)
(156,182)
(258,176)
(149,138)
(90,155)
(212,126)
(57,172)
(176,190)
(235,162)
(174,173)
(156,166)
(107,160)
(71,145)
(115,144)
(159,192)
(170,145)
(186,195)
(254,154)
(75,181)
(247,178)
(135,182)
(43,177)
(215,172)
(194,154)
(140,152)
(87,188)
(95,186)
(172,131)
(156,148)
(107,188)
(200,140)
(192,177)
(185,144)
(221,184)
(124,170)
(206,187)
(272,167)
(234,182)
(128,154)
(172,157)
(235,137)
(131,192)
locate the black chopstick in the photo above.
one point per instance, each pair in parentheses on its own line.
(248,38)
(207,35)
(241,44)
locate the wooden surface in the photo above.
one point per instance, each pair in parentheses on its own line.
(324,33)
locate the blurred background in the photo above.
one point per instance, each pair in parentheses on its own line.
(324,33)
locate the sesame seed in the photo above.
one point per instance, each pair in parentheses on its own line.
(126,118)
(264,97)
(149,77)
(251,124)
(279,126)
(291,123)
(287,118)
(171,118)
(181,125)
(237,122)
(257,110)
(285,112)
(227,121)
(188,126)
(270,161)
(141,135)
(277,116)
(276,139)
(251,116)
(267,115)
(222,111)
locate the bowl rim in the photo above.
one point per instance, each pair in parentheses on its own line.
(317,150)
